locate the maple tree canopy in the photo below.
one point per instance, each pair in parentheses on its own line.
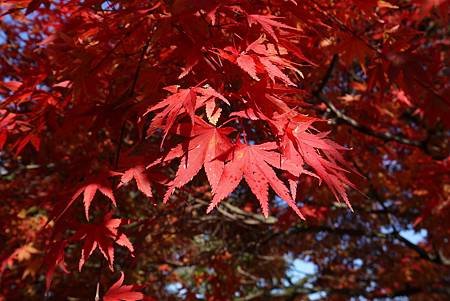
(224,150)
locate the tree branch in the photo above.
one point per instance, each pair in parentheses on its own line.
(352,122)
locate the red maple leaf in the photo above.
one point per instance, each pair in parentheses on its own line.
(251,162)
(180,102)
(101,236)
(138,173)
(317,151)
(53,259)
(119,292)
(268,23)
(248,64)
(205,145)
(88,188)
(89,191)
(261,58)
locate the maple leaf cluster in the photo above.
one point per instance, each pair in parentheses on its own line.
(116,113)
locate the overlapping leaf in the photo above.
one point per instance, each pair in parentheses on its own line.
(182,101)
(315,150)
(269,24)
(261,58)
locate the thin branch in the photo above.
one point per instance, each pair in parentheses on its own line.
(236,214)
(396,233)
(421,252)
(352,122)
(119,145)
(139,66)
(328,75)
(365,129)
